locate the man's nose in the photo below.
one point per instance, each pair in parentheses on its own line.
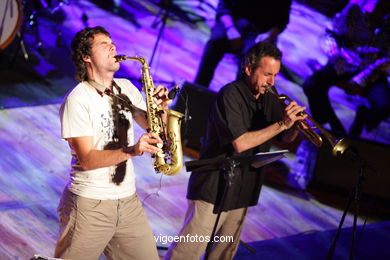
(271,81)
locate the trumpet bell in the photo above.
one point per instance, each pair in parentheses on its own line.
(340,147)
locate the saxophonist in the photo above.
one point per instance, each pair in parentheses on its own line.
(99,210)
(242,121)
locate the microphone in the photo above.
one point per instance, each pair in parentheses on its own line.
(172,94)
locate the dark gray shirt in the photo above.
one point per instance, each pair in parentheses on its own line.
(234,112)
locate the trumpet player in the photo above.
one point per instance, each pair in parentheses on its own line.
(242,121)
(99,209)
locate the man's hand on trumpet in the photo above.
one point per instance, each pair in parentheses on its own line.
(294,113)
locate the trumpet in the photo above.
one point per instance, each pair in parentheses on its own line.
(339,146)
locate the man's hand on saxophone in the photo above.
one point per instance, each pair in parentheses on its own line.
(149,142)
(161,94)
(161,98)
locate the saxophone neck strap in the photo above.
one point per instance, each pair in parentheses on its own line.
(104,90)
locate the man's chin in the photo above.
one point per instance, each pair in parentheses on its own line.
(116,66)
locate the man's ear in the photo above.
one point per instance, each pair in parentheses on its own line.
(248,70)
(86,58)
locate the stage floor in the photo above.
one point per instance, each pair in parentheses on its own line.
(34,169)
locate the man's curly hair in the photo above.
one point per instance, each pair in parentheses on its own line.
(253,56)
(81,46)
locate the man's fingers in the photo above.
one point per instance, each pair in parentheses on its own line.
(150,136)
(295,110)
(153,141)
(292,107)
(154,136)
(160,91)
(150,143)
(291,104)
(150,148)
(300,111)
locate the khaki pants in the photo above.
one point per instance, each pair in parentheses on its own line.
(118,227)
(200,221)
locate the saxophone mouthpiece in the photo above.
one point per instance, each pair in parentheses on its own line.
(120,58)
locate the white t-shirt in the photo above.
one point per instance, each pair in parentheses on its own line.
(85,112)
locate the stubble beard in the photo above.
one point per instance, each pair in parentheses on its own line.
(263,89)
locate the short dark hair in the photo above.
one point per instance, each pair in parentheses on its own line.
(253,56)
(81,46)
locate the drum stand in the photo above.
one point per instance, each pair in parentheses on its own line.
(30,19)
(20,46)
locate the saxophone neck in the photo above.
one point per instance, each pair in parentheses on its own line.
(120,58)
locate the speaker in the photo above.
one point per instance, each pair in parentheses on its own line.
(194,102)
(344,172)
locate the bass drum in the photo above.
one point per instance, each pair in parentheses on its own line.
(10,21)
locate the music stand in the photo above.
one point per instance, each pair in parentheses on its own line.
(227,166)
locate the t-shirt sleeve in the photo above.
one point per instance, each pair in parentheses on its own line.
(229,116)
(75,119)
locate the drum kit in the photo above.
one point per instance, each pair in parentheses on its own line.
(11,18)
(17,15)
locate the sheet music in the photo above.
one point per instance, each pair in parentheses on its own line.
(268,157)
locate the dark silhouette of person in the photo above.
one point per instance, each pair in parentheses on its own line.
(237,26)
(358,62)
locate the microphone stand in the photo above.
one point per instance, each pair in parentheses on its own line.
(160,32)
(169,8)
(354,197)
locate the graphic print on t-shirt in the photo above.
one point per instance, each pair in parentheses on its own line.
(107,126)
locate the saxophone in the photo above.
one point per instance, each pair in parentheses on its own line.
(170,161)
